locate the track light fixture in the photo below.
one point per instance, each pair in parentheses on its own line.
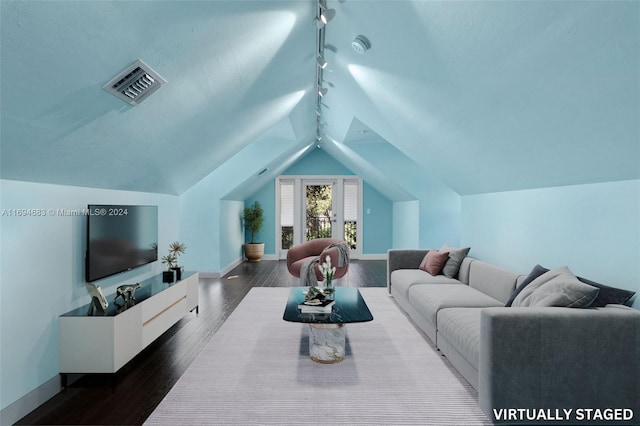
(321,62)
(326,15)
(322,18)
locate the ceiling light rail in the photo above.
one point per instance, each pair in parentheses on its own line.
(324,16)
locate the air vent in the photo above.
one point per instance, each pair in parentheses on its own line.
(135,84)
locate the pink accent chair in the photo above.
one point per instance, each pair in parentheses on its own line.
(299,254)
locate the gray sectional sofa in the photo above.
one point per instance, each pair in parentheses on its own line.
(524,362)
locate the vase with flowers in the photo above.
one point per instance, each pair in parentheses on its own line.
(174,271)
(328,272)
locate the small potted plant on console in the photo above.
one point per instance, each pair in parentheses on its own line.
(174,271)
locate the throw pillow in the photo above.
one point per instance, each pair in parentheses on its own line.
(557,287)
(607,294)
(535,273)
(456,256)
(433,261)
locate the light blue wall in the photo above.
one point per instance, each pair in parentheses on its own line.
(42,273)
(377,221)
(317,162)
(593,229)
(204,208)
(199,230)
(406,224)
(439,211)
(231,231)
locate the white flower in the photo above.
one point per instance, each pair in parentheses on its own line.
(326,269)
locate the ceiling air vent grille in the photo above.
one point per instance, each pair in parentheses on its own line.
(135,84)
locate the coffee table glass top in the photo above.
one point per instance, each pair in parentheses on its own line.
(349,307)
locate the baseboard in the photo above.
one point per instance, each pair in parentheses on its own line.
(23,406)
(373,256)
(208,275)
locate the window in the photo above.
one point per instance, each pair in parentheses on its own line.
(351,213)
(286,213)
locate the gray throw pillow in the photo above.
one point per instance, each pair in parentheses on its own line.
(456,256)
(558,287)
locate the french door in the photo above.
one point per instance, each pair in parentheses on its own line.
(314,207)
(320,215)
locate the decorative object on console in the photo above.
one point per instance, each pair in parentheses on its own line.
(169,276)
(98,303)
(253,218)
(174,272)
(176,249)
(128,294)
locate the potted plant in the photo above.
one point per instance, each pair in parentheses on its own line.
(174,271)
(253,217)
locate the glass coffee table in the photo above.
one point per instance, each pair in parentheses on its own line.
(327,333)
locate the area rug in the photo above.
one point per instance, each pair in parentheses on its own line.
(256,370)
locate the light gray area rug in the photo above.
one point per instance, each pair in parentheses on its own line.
(256,370)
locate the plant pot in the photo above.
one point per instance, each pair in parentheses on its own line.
(168,276)
(254,251)
(178,270)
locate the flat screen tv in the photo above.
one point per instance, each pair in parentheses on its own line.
(120,238)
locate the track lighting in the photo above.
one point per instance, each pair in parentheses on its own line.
(321,62)
(327,14)
(322,91)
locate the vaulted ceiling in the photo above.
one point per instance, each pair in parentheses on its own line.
(486,96)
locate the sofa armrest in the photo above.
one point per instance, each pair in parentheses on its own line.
(559,358)
(403,259)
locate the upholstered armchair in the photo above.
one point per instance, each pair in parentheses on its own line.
(307,251)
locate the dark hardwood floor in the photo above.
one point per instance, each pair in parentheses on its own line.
(129,397)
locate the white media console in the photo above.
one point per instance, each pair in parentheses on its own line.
(105,343)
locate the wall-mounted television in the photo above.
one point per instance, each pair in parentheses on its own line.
(120,238)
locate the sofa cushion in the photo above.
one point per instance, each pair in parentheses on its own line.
(461,328)
(558,287)
(492,280)
(433,261)
(429,299)
(535,273)
(456,256)
(403,279)
(607,295)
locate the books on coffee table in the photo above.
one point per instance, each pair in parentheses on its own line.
(316,306)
